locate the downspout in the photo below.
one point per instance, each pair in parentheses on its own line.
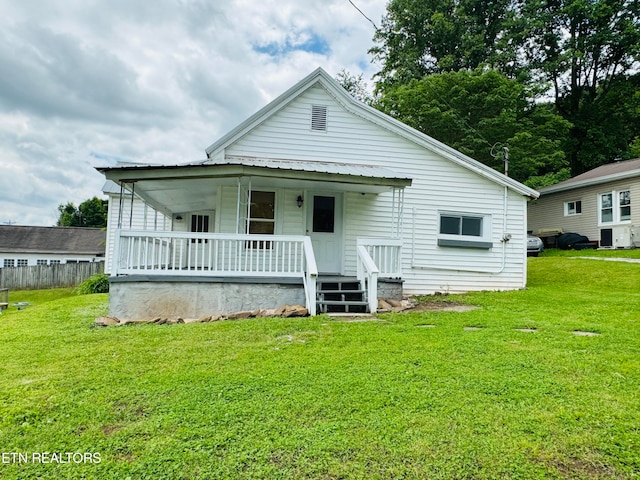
(505,239)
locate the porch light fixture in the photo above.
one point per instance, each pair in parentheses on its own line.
(300,201)
(178,217)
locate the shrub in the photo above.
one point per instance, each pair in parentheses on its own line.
(98,283)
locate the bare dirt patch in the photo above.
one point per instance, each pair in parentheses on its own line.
(582,333)
(442,307)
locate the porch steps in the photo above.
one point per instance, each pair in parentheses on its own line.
(340,295)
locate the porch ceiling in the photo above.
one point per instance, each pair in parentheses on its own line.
(194,186)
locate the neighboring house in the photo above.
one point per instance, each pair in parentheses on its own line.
(602,204)
(26,245)
(314,194)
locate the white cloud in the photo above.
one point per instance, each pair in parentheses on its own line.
(88,82)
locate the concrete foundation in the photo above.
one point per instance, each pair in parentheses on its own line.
(390,288)
(147,297)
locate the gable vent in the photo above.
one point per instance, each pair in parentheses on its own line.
(319,118)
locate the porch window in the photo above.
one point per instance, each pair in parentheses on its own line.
(262,216)
(199,224)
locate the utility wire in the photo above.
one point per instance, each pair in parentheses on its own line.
(362,13)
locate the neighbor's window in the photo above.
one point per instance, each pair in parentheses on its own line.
(464,230)
(23,262)
(41,262)
(54,262)
(573,208)
(606,207)
(625,205)
(615,206)
(9,262)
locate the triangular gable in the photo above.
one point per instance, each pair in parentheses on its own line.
(322,78)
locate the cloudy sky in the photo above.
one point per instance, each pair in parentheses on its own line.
(86,83)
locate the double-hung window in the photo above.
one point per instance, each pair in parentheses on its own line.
(614,207)
(199,224)
(262,217)
(464,230)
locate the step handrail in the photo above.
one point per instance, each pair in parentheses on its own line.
(368,277)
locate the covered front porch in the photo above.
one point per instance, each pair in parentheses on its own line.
(253,233)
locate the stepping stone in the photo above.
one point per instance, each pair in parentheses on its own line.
(581,333)
(472,329)
(526,330)
(426,325)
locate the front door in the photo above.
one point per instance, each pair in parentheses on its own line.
(324,226)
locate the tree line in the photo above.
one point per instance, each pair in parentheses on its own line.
(556,82)
(90,213)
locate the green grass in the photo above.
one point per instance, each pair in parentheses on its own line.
(555,252)
(319,398)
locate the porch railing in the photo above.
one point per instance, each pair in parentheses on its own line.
(386,254)
(207,254)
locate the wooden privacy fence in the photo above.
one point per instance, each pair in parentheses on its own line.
(48,276)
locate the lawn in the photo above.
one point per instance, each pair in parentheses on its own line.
(320,398)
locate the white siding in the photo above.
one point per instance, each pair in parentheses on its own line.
(32,258)
(438,184)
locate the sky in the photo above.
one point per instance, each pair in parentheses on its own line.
(88,83)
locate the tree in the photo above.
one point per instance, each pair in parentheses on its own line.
(479,112)
(421,37)
(583,54)
(355,85)
(589,51)
(90,213)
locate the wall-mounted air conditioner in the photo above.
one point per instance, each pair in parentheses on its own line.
(635,236)
(626,236)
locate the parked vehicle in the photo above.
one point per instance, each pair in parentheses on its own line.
(534,246)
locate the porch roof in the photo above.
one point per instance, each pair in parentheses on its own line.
(234,166)
(177,188)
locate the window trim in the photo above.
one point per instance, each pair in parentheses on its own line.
(262,244)
(615,207)
(577,205)
(482,241)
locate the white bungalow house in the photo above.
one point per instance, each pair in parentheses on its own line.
(316,199)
